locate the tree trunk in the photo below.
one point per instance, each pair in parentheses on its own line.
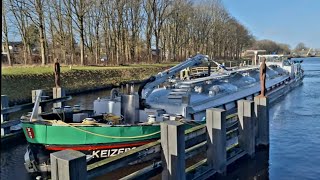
(81,42)
(5,30)
(42,45)
(97,49)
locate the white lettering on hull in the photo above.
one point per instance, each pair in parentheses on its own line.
(109,152)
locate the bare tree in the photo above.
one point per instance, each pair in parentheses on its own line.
(52,30)
(159,12)
(69,21)
(18,9)
(58,28)
(79,9)
(39,9)
(124,30)
(107,29)
(97,15)
(35,12)
(270,46)
(135,17)
(5,31)
(149,26)
(300,46)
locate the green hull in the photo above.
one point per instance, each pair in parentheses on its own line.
(84,135)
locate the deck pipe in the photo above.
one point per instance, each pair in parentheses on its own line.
(130,108)
(114,93)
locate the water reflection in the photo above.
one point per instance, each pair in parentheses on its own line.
(246,168)
(12,166)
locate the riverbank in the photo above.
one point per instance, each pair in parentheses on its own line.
(17,82)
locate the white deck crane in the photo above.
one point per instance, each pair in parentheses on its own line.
(151,83)
(308,53)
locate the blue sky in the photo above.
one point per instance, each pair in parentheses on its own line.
(283,21)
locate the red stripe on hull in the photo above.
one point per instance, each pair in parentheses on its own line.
(96,147)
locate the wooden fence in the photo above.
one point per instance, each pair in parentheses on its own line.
(223,140)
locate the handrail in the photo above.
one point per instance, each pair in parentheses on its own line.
(30,105)
(112,163)
(123,159)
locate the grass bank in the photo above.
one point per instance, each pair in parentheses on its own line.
(20,70)
(17,82)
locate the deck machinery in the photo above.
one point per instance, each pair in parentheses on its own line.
(189,96)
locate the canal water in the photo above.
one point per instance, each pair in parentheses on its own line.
(294,136)
(295,129)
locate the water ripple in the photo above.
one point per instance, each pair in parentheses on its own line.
(295,130)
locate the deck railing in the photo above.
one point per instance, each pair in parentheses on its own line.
(197,70)
(6,124)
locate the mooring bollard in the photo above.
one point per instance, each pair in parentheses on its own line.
(216,128)
(262,114)
(4,117)
(68,165)
(173,150)
(58,93)
(4,104)
(246,116)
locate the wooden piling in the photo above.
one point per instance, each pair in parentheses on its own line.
(4,104)
(68,165)
(173,150)
(246,116)
(4,117)
(58,93)
(216,139)
(262,115)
